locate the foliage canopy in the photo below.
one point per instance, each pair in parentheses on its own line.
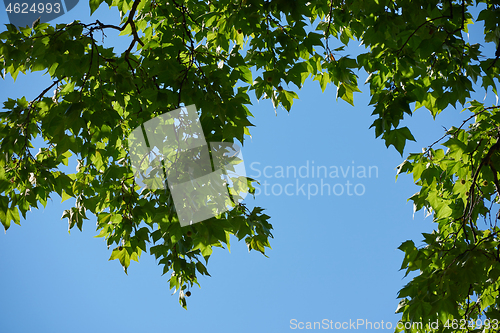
(214,54)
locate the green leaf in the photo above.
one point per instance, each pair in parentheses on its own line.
(65,196)
(397,138)
(94,4)
(345,92)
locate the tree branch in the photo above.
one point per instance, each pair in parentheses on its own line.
(130,20)
(48,88)
(415,31)
(495,178)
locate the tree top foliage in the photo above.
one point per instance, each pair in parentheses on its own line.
(214,54)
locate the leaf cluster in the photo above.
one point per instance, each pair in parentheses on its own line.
(214,54)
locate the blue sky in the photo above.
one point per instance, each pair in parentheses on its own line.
(334,257)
